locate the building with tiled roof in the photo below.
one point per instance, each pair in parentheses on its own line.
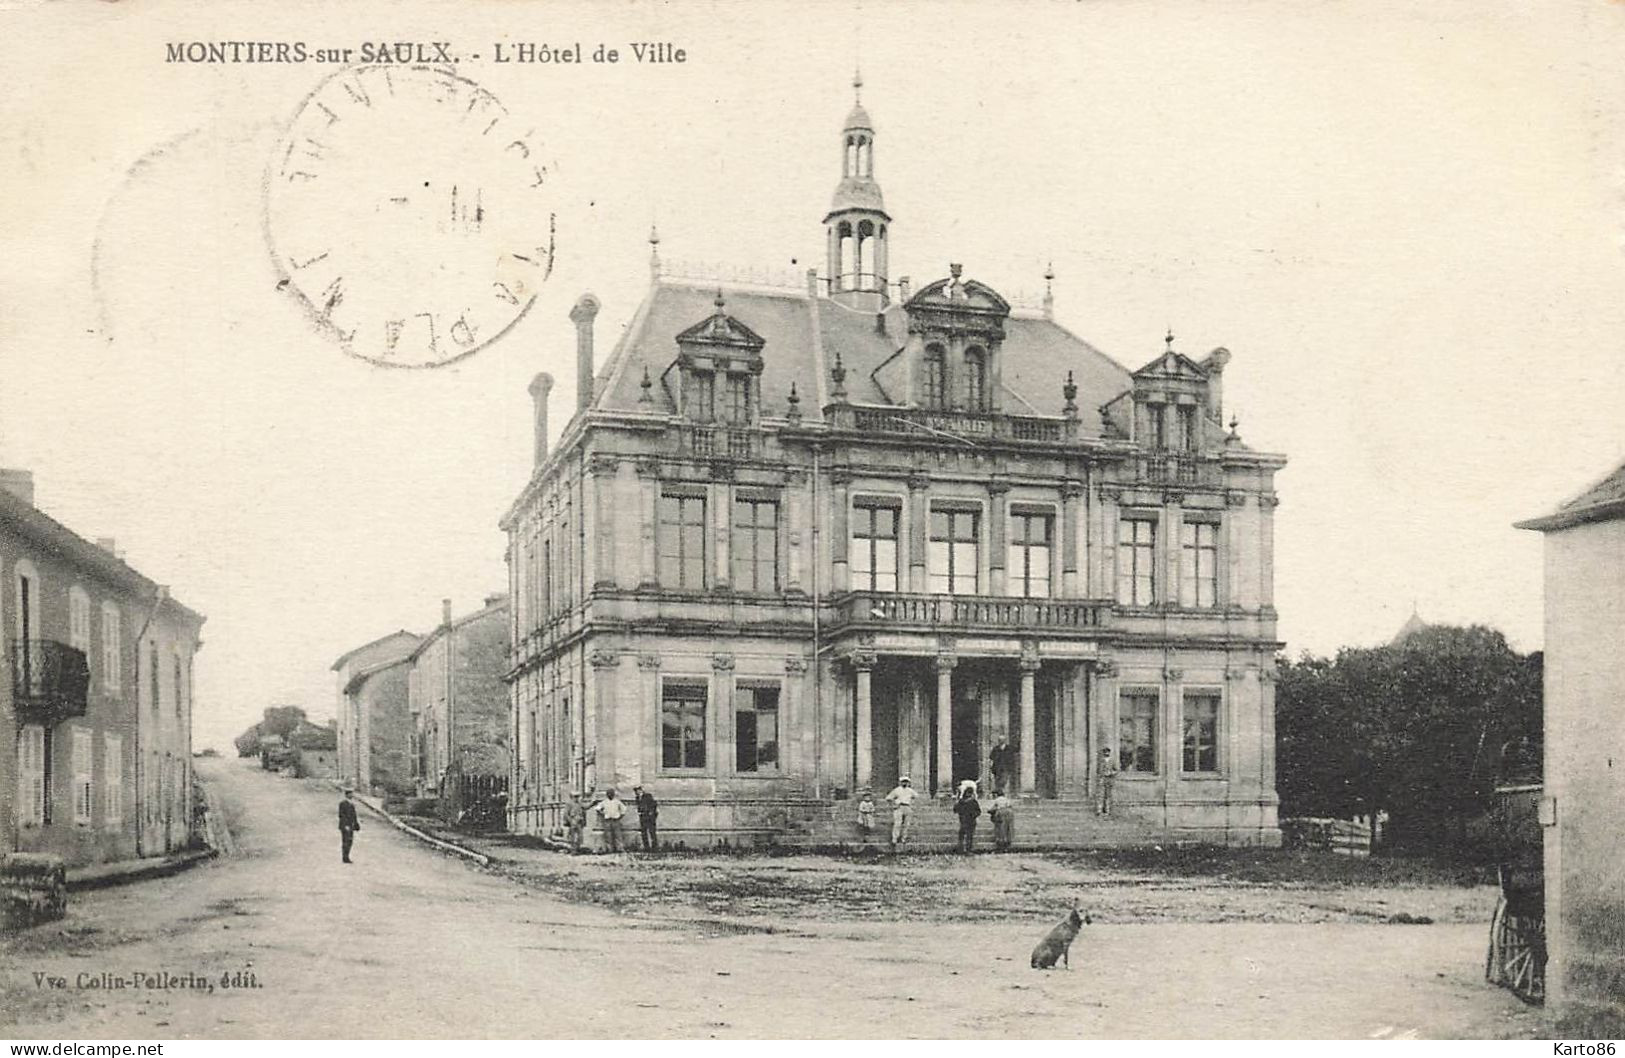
(798,542)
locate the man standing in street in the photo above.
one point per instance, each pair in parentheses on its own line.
(613,811)
(648,813)
(1108,777)
(902,800)
(575,821)
(348,823)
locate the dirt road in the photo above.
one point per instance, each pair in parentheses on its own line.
(410,943)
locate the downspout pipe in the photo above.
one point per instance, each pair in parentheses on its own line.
(140,772)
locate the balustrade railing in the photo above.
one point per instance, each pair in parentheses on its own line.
(966,425)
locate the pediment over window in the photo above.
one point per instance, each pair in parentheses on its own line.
(1172,365)
(721,329)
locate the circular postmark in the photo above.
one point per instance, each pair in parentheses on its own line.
(407,210)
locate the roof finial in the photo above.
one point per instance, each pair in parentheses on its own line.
(719,303)
(1170,339)
(654,250)
(837,375)
(857,84)
(1234,422)
(1049,291)
(646,385)
(794,401)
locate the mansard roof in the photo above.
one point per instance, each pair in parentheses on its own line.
(802,334)
(1602,501)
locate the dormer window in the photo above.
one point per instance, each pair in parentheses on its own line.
(701,398)
(1186,440)
(936,381)
(975,379)
(720,359)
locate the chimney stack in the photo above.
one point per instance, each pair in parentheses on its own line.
(582,316)
(1215,381)
(445,611)
(20,483)
(904,288)
(540,387)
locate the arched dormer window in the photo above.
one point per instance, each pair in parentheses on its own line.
(976,379)
(936,377)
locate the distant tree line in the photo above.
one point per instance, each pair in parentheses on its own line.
(1415,729)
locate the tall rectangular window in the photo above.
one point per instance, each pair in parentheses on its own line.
(1137,732)
(1030,552)
(33,791)
(112,781)
(702,404)
(112,646)
(739,399)
(756,729)
(874,546)
(1186,440)
(84,790)
(755,550)
(975,380)
(153,677)
(1136,561)
(1156,421)
(1201,732)
(681,530)
(936,377)
(682,726)
(953,555)
(79,620)
(1199,564)
(180,687)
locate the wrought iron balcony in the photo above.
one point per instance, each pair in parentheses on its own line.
(732,442)
(963,425)
(50,681)
(968,612)
(1177,468)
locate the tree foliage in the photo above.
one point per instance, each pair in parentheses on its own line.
(1414,728)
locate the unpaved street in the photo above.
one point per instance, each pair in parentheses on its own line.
(410,943)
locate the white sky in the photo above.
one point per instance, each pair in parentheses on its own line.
(1406,225)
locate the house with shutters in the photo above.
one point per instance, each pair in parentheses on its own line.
(95,695)
(796,542)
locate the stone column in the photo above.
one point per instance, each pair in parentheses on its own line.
(863,663)
(1266,550)
(1029,674)
(840,543)
(795,735)
(1071,494)
(918,526)
(719,500)
(721,740)
(613,728)
(794,481)
(945,719)
(649,499)
(998,546)
(642,698)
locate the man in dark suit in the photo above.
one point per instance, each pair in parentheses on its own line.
(648,814)
(348,823)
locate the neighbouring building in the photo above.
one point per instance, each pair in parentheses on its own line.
(1584,768)
(459,706)
(315,750)
(795,542)
(375,746)
(96,696)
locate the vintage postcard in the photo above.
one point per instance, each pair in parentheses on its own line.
(792,520)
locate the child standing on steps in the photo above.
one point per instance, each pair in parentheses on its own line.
(866,815)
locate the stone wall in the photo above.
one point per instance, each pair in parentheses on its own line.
(33,889)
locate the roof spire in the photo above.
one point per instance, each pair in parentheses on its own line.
(1049,291)
(857,86)
(654,251)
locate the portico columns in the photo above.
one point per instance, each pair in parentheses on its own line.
(945,720)
(863,663)
(1029,673)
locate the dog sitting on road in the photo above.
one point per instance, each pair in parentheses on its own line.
(1058,944)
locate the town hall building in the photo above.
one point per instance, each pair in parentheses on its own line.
(798,543)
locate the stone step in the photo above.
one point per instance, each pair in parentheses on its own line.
(1038,824)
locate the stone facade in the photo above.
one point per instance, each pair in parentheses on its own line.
(1584,768)
(95,695)
(793,543)
(459,702)
(376,751)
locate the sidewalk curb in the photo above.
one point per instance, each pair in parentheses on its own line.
(122,871)
(444,846)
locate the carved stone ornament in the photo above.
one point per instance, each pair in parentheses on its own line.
(946,662)
(648,661)
(1172,674)
(864,659)
(648,468)
(1235,498)
(604,463)
(604,659)
(1106,669)
(795,663)
(722,662)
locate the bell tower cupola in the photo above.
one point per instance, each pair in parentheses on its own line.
(857,222)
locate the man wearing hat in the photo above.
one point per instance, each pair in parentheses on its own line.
(902,800)
(648,812)
(348,823)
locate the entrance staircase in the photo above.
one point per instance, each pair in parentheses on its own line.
(1040,824)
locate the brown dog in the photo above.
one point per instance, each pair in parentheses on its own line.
(1058,944)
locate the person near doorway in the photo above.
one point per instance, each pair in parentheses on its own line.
(902,813)
(613,811)
(1108,779)
(648,814)
(968,809)
(348,824)
(1003,814)
(1001,762)
(575,821)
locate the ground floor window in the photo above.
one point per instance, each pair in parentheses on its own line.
(682,726)
(84,791)
(1201,732)
(756,729)
(33,791)
(112,781)
(1137,732)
